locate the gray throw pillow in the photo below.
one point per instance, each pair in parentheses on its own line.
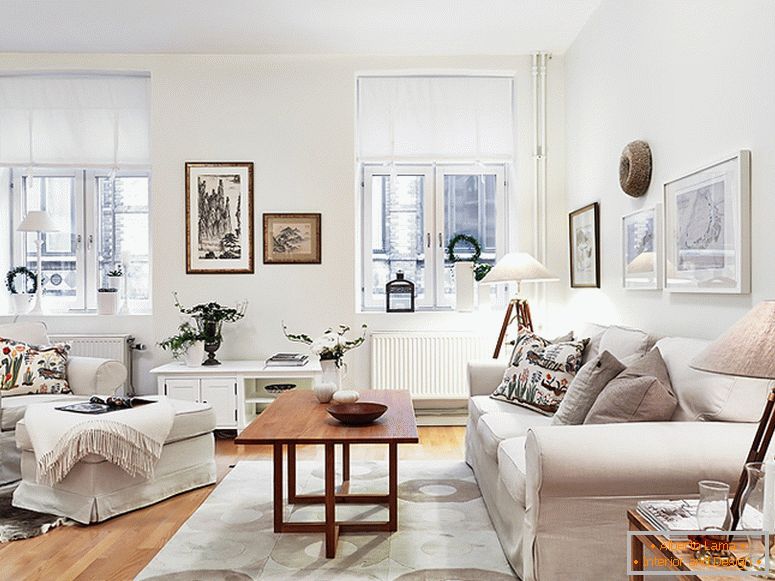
(585,387)
(593,347)
(640,393)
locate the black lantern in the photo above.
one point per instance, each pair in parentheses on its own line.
(399,294)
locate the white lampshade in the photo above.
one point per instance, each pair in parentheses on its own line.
(747,349)
(518,267)
(644,263)
(38,221)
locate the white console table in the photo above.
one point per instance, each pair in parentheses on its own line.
(235,389)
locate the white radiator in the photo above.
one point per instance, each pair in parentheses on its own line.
(118,347)
(429,365)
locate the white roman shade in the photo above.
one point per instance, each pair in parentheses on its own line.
(95,120)
(435,117)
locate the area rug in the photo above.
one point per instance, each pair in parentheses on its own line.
(17,524)
(444,531)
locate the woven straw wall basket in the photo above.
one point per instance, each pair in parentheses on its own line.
(635,168)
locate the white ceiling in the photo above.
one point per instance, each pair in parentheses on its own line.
(398,27)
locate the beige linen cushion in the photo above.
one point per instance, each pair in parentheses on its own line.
(586,387)
(641,393)
(626,344)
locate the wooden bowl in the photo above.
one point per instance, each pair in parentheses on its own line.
(357,414)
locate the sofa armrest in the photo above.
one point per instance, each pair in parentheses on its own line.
(633,459)
(92,375)
(484,376)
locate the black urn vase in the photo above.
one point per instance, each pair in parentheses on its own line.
(212,333)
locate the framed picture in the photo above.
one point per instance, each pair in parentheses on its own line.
(292,239)
(707,228)
(642,249)
(219,218)
(584,226)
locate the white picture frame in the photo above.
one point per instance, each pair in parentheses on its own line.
(707,229)
(642,252)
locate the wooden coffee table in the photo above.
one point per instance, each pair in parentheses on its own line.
(296,418)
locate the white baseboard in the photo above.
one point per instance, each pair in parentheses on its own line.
(441,420)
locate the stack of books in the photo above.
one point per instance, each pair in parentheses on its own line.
(287,360)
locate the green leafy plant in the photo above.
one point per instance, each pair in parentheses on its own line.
(117,271)
(331,345)
(107,290)
(30,280)
(179,343)
(213,312)
(480,268)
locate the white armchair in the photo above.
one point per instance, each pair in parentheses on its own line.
(87,376)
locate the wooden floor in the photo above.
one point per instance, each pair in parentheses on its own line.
(119,548)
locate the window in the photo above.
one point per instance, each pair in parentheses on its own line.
(408,227)
(104,223)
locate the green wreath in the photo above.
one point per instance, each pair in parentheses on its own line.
(455,240)
(10,279)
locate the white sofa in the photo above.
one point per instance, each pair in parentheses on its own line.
(87,376)
(558,495)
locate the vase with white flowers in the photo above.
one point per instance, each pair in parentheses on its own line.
(330,347)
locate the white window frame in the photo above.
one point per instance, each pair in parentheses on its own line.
(86,234)
(433,174)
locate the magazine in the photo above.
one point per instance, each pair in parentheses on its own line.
(97,405)
(670,515)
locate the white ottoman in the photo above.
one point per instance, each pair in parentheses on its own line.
(96,490)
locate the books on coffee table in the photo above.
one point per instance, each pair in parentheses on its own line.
(287,360)
(670,515)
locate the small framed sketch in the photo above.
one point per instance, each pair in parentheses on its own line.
(292,239)
(584,226)
(642,249)
(707,228)
(219,218)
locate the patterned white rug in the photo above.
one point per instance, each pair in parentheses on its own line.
(444,531)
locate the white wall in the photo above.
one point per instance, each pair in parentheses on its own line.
(294,117)
(696,80)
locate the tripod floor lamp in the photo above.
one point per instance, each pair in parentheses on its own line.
(516,267)
(747,349)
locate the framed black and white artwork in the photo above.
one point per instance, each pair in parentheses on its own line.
(642,249)
(292,239)
(707,228)
(584,235)
(219,218)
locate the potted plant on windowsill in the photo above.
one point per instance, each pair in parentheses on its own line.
(115,277)
(22,283)
(209,318)
(188,343)
(107,301)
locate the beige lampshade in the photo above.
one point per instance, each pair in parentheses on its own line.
(518,267)
(38,221)
(747,349)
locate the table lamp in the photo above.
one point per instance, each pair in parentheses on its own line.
(747,349)
(38,221)
(517,267)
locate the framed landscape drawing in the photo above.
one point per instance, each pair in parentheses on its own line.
(219,218)
(292,239)
(707,228)
(584,226)
(642,249)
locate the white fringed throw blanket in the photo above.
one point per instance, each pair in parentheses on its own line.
(131,439)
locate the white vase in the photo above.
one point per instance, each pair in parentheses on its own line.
(22,302)
(114,282)
(195,354)
(464,286)
(332,373)
(107,303)
(324,391)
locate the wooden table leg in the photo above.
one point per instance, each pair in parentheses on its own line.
(636,554)
(393,486)
(277,457)
(331,528)
(291,473)
(345,463)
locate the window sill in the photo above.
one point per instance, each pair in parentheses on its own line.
(74,314)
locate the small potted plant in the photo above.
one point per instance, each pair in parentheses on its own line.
(209,318)
(107,301)
(188,343)
(115,276)
(22,283)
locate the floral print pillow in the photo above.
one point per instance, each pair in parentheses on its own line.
(26,369)
(540,372)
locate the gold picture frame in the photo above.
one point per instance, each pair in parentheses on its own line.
(292,238)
